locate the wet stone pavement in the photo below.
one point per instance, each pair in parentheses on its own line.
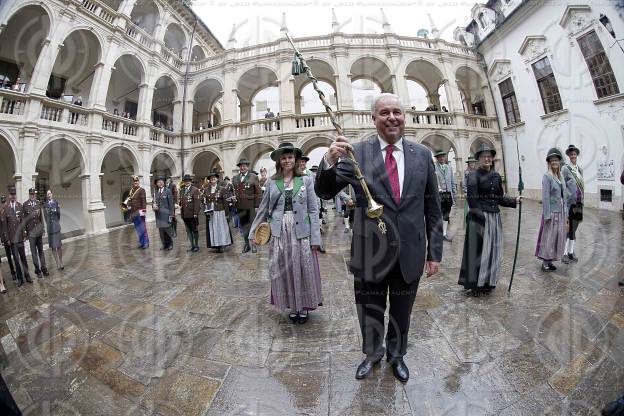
(124,331)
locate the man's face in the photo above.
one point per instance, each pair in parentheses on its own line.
(12,197)
(32,196)
(441,159)
(389,119)
(471,165)
(213,180)
(572,155)
(303,164)
(135,184)
(160,183)
(243,168)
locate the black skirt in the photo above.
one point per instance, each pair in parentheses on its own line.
(446,203)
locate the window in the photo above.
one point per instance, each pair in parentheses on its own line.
(56,86)
(598,64)
(510,104)
(482,20)
(547,85)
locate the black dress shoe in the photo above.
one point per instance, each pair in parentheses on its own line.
(303,317)
(14,276)
(46,273)
(551,267)
(399,369)
(28,279)
(572,257)
(366,367)
(246,248)
(195,249)
(321,250)
(19,283)
(39,275)
(565,259)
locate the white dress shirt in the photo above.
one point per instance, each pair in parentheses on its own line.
(399,157)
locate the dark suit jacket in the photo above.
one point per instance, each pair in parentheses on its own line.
(166,205)
(52,213)
(12,223)
(138,202)
(248,192)
(190,202)
(414,225)
(33,218)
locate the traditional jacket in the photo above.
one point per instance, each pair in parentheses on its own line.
(12,219)
(553,194)
(190,203)
(33,218)
(573,177)
(218,197)
(248,192)
(485,192)
(305,209)
(446,179)
(138,202)
(52,213)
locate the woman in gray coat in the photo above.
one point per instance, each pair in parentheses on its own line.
(552,234)
(290,205)
(52,214)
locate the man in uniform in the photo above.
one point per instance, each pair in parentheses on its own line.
(174,192)
(248,197)
(13,229)
(33,223)
(138,210)
(163,207)
(5,243)
(446,188)
(190,204)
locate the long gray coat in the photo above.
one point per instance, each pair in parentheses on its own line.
(166,207)
(414,225)
(305,209)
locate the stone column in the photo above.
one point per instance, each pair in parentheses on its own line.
(29,137)
(146,95)
(177,115)
(96,218)
(230,89)
(99,91)
(343,77)
(489,101)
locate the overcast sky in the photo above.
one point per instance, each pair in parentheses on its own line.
(259,21)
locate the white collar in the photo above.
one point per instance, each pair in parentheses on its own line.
(398,146)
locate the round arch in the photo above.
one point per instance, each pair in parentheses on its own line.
(117,166)
(373,68)
(322,70)
(203,162)
(198,53)
(426,73)
(205,94)
(307,144)
(215,82)
(112,146)
(146,15)
(253,80)
(470,84)
(8,161)
(17,8)
(42,144)
(478,141)
(164,164)
(175,38)
(137,60)
(255,150)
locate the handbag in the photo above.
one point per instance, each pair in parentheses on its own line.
(262,234)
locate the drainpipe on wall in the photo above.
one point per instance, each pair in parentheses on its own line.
(185,89)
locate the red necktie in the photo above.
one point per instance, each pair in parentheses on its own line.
(393,174)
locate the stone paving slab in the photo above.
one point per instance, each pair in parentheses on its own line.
(143,332)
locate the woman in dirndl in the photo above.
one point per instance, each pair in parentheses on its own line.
(553,228)
(483,243)
(290,206)
(52,214)
(218,235)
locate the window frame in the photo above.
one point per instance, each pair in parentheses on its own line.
(511,96)
(548,81)
(607,89)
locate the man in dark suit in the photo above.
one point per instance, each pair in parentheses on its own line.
(33,223)
(401,176)
(248,196)
(190,204)
(163,207)
(12,219)
(5,243)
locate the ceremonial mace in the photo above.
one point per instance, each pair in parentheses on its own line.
(299,66)
(520,189)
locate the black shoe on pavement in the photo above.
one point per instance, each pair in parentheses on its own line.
(366,367)
(28,279)
(399,369)
(246,248)
(254,249)
(551,267)
(45,273)
(19,283)
(572,257)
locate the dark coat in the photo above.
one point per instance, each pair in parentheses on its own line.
(190,202)
(33,218)
(414,226)
(218,198)
(485,192)
(13,227)
(166,205)
(52,213)
(248,192)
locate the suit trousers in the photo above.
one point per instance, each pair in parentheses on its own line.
(165,236)
(38,258)
(19,255)
(370,299)
(10,259)
(191,225)
(246,218)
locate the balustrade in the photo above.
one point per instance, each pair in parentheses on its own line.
(100,10)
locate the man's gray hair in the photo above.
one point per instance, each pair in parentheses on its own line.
(386,95)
